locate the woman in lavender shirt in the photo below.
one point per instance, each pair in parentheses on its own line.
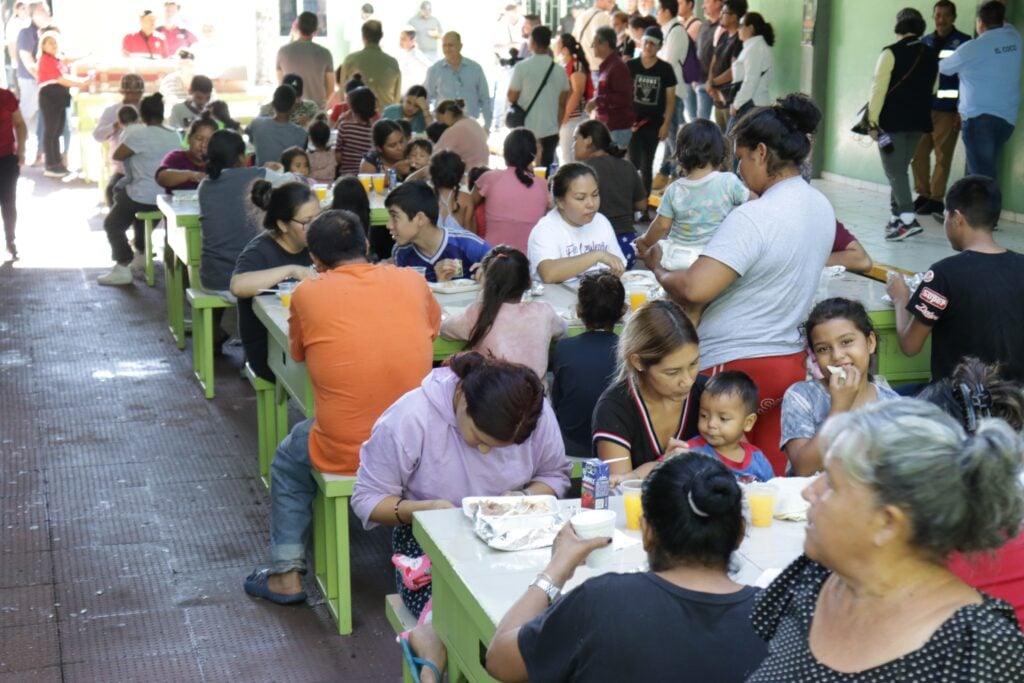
(479,427)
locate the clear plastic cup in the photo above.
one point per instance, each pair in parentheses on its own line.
(631,502)
(366,180)
(284,292)
(761,497)
(596,524)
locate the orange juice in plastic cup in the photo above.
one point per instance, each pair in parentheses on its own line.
(321,192)
(541,172)
(631,502)
(365,179)
(378,183)
(284,292)
(637,296)
(761,497)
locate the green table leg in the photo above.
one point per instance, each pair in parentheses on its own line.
(343,601)
(174,285)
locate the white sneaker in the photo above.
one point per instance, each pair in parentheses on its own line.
(138,262)
(118,275)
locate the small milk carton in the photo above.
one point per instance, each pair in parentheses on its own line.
(594,489)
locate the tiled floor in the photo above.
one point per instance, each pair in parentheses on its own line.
(129,506)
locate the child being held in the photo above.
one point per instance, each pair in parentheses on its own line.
(294,160)
(728,410)
(126,116)
(322,163)
(500,323)
(417,153)
(583,366)
(695,205)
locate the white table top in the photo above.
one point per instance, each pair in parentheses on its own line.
(859,288)
(496,579)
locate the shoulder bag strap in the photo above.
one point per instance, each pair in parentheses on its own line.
(920,53)
(542,84)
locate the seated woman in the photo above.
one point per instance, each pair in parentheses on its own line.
(573,237)
(654,404)
(501,324)
(513,198)
(355,131)
(684,619)
(278,253)
(622,189)
(477,427)
(872,599)
(388,150)
(842,339)
(413,108)
(976,391)
(455,207)
(463,135)
(184,169)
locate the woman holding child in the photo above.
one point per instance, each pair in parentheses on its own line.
(759,271)
(476,427)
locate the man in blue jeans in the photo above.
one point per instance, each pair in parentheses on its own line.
(989,70)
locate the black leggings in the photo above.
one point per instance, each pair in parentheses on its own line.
(53,102)
(9,173)
(642,147)
(122,215)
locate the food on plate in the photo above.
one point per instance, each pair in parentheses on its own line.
(497,507)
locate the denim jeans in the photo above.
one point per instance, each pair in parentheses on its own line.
(704,103)
(984,136)
(688,94)
(292,489)
(621,137)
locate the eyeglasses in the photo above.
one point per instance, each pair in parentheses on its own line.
(305,223)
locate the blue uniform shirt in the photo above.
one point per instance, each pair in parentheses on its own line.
(989,71)
(948,95)
(455,244)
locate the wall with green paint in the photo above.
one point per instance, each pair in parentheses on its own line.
(859,31)
(786,17)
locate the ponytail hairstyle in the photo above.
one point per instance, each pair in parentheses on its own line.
(220,112)
(362,102)
(453,107)
(694,509)
(520,150)
(506,277)
(600,137)
(976,391)
(151,109)
(504,400)
(319,132)
(761,27)
(225,147)
(566,174)
(446,171)
(205,120)
(349,195)
(785,128)
(575,51)
(279,204)
(972,499)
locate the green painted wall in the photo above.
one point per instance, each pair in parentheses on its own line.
(859,30)
(786,17)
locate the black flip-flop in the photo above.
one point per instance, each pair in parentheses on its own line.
(256,586)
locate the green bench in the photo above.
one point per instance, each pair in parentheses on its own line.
(331,546)
(271,422)
(401,620)
(149,219)
(203,303)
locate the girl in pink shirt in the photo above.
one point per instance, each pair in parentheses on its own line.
(501,324)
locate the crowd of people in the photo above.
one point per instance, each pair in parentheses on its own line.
(739,374)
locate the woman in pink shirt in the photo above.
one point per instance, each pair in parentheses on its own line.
(501,324)
(464,135)
(516,199)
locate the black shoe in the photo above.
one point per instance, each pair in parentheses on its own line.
(903,231)
(933,207)
(919,202)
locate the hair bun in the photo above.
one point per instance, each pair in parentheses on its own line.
(990,462)
(260,193)
(799,111)
(714,492)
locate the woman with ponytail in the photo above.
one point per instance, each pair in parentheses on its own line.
(872,598)
(501,324)
(477,427)
(515,198)
(277,254)
(684,619)
(577,68)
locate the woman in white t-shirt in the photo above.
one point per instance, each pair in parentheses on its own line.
(759,272)
(142,149)
(573,237)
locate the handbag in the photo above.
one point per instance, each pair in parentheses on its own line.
(863,125)
(515,117)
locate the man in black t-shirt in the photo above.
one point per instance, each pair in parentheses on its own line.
(654,101)
(970,302)
(720,84)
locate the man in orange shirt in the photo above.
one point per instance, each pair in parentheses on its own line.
(366,335)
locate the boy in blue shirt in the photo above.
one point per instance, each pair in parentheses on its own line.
(412,221)
(728,410)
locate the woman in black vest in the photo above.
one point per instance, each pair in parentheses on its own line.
(899,112)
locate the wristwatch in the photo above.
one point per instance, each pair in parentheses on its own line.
(543,582)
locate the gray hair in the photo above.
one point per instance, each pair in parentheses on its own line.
(960,492)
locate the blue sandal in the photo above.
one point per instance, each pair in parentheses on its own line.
(256,586)
(416,663)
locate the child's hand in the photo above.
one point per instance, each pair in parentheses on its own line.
(675,446)
(652,257)
(446,269)
(843,390)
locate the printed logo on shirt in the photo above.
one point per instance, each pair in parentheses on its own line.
(933,298)
(925,311)
(928,277)
(577,249)
(646,90)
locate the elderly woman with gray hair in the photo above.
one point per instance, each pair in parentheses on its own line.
(872,599)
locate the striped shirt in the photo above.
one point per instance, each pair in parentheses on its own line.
(355,139)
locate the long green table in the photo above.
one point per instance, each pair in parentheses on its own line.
(184,250)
